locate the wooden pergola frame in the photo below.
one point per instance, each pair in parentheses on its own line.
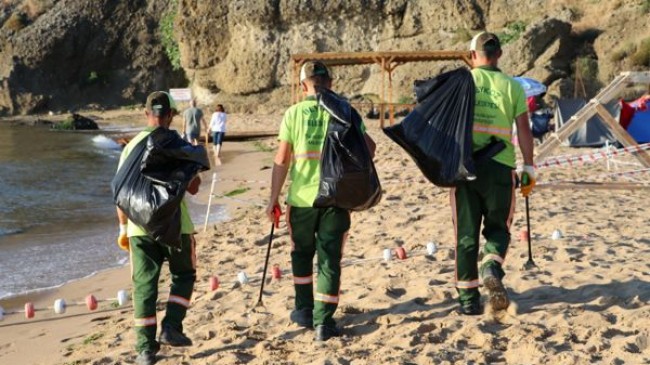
(388,61)
(595,107)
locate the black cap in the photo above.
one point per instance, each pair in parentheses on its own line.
(160,103)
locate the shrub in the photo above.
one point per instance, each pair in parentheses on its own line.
(66,125)
(586,70)
(93,77)
(626,50)
(235,192)
(587,67)
(645,7)
(462,35)
(511,32)
(405,99)
(642,55)
(92,338)
(166,29)
(371,97)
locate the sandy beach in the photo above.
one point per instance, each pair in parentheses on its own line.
(586,302)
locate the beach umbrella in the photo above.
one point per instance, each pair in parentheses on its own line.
(531,87)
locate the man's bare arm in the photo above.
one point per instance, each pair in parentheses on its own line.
(121,217)
(279,175)
(525,136)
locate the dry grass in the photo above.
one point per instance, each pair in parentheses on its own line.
(623,52)
(642,55)
(15,22)
(34,8)
(462,35)
(645,6)
(24,12)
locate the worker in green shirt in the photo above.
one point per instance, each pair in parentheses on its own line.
(320,231)
(147,256)
(490,198)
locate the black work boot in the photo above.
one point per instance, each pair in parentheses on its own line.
(497,294)
(302,317)
(472,308)
(146,357)
(325,332)
(173,337)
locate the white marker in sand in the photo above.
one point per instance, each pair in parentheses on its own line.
(557,234)
(388,254)
(242,278)
(122,298)
(59,306)
(431,248)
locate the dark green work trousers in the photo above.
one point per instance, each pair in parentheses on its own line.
(147,257)
(490,199)
(322,231)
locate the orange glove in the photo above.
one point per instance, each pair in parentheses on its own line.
(527,180)
(123,239)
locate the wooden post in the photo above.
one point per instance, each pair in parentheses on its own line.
(388,66)
(296,81)
(391,110)
(621,134)
(383,92)
(292,81)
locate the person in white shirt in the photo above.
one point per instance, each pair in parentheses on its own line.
(218,129)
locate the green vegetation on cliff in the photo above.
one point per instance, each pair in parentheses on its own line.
(166,29)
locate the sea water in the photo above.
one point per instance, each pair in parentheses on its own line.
(57,219)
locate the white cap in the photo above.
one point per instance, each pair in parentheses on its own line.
(313,68)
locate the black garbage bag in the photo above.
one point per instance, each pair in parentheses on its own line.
(437,134)
(348,176)
(170,159)
(151,184)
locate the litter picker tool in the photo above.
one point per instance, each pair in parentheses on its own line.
(530,264)
(277,212)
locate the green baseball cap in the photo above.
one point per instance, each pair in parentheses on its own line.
(160,103)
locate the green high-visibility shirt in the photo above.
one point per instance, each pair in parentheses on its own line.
(499,100)
(132,229)
(304,126)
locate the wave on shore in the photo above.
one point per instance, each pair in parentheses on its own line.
(9,231)
(104,142)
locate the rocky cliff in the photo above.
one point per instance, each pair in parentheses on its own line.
(80,52)
(238,51)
